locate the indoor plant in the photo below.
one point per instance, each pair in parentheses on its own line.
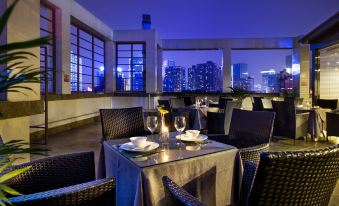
(239,93)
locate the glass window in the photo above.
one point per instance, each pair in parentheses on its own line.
(87,68)
(266,71)
(193,70)
(47,56)
(131,67)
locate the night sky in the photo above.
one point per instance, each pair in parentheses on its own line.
(216,18)
(219,19)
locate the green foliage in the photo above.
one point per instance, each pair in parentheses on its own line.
(239,93)
(14,71)
(290,94)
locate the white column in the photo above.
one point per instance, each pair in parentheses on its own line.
(227,62)
(305,63)
(151,65)
(110,80)
(159,71)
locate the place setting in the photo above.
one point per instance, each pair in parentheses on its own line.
(138,147)
(192,136)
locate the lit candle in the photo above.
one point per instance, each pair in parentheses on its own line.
(165,132)
(165,157)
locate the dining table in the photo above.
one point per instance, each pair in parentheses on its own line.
(209,170)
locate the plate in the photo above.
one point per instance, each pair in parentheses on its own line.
(185,138)
(131,148)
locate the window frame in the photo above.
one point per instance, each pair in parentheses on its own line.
(53,45)
(132,43)
(93,36)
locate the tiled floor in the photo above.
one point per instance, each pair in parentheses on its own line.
(87,138)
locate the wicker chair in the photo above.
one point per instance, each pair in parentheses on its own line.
(188,101)
(257,104)
(250,132)
(252,153)
(175,195)
(62,180)
(289,123)
(332,121)
(291,178)
(327,103)
(219,122)
(122,123)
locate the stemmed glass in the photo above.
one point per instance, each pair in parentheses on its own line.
(152,123)
(180,124)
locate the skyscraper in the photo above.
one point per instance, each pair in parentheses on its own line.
(205,77)
(137,74)
(74,72)
(241,78)
(269,81)
(174,78)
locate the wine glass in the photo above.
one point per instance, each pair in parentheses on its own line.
(180,124)
(152,123)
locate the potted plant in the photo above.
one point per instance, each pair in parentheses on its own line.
(13,73)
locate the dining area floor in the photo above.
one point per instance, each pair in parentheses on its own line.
(87,138)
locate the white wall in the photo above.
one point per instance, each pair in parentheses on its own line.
(67,111)
(305,65)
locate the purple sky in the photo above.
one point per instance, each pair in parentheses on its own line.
(259,60)
(192,57)
(219,19)
(216,18)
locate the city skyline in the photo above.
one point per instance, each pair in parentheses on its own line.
(204,77)
(271,80)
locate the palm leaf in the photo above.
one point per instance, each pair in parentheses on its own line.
(14,56)
(13,173)
(9,190)
(4,198)
(5,16)
(24,44)
(5,166)
(19,147)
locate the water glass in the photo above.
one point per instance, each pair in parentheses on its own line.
(152,123)
(180,124)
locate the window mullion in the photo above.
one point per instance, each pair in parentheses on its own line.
(78,61)
(92,63)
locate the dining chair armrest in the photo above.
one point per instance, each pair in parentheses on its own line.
(247,180)
(99,192)
(253,153)
(54,172)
